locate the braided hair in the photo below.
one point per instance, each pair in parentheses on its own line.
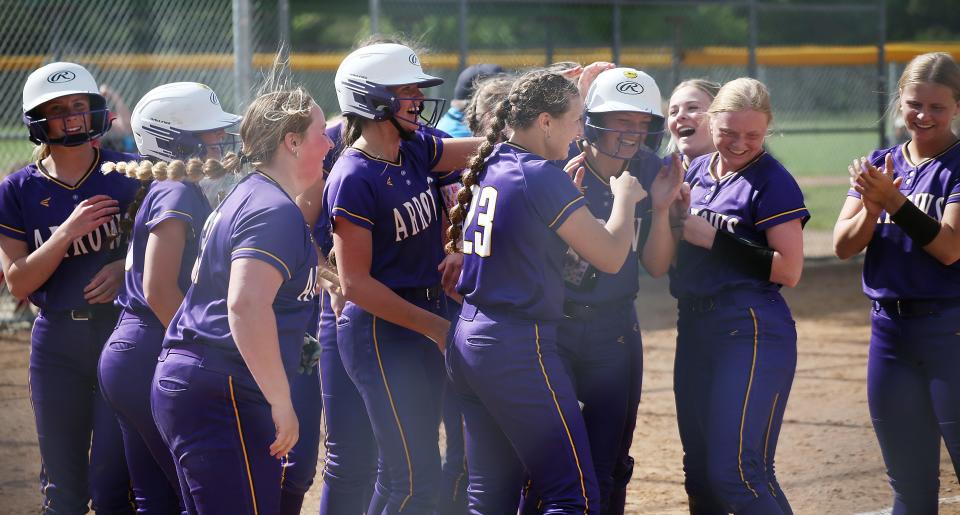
(146,172)
(532,94)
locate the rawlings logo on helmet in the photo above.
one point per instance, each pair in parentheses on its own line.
(414,60)
(629,87)
(213,98)
(61,77)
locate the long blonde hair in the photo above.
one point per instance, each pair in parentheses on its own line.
(743,94)
(936,68)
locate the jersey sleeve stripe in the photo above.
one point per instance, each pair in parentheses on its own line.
(785,213)
(365,219)
(953,195)
(274,256)
(13,229)
(564,210)
(165,214)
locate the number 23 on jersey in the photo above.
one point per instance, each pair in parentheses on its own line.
(479,242)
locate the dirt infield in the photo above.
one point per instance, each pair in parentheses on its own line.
(828,459)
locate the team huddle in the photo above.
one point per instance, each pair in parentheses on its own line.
(204,301)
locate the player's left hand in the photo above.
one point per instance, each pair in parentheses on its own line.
(449,270)
(103,288)
(666,185)
(287,426)
(877,185)
(698,231)
(589,74)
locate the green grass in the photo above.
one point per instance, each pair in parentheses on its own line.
(824,203)
(808,155)
(14,153)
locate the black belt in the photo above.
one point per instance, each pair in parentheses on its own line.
(590,311)
(419,294)
(915,307)
(89,313)
(726,299)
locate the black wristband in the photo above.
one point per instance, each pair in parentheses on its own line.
(743,255)
(918,225)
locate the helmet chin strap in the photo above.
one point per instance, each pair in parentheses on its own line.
(404,133)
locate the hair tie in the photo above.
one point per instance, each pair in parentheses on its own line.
(243,157)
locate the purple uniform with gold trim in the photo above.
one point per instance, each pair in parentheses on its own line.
(736,343)
(599,337)
(398,372)
(130,355)
(520,409)
(68,336)
(209,409)
(913,390)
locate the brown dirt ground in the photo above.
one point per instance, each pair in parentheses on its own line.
(828,458)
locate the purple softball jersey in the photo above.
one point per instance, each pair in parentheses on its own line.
(513,258)
(585,284)
(253,221)
(751,200)
(33,204)
(402,197)
(166,200)
(894,267)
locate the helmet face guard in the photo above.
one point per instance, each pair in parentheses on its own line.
(650,139)
(100,121)
(378,103)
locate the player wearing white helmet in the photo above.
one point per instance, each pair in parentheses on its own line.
(59,247)
(382,202)
(599,337)
(171,123)
(183,120)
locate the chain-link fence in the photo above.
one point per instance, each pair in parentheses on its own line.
(823,62)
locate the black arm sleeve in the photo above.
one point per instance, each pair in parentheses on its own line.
(743,255)
(918,225)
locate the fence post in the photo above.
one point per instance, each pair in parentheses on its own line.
(881,72)
(283,26)
(752,39)
(464,35)
(374,16)
(242,51)
(617,36)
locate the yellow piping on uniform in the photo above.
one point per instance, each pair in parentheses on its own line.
(365,219)
(396,417)
(274,256)
(766,441)
(746,400)
(243,445)
(564,210)
(576,458)
(758,222)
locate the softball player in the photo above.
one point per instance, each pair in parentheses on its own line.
(174,122)
(220,394)
(903,209)
(383,207)
(523,213)
(687,117)
(599,337)
(736,340)
(59,246)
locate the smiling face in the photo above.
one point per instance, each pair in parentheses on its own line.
(410,106)
(626,132)
(67,115)
(928,109)
(315,146)
(738,136)
(686,121)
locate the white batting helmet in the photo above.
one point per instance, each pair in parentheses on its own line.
(624,90)
(364,76)
(168,120)
(57,80)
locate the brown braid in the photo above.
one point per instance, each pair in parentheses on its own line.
(146,172)
(532,94)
